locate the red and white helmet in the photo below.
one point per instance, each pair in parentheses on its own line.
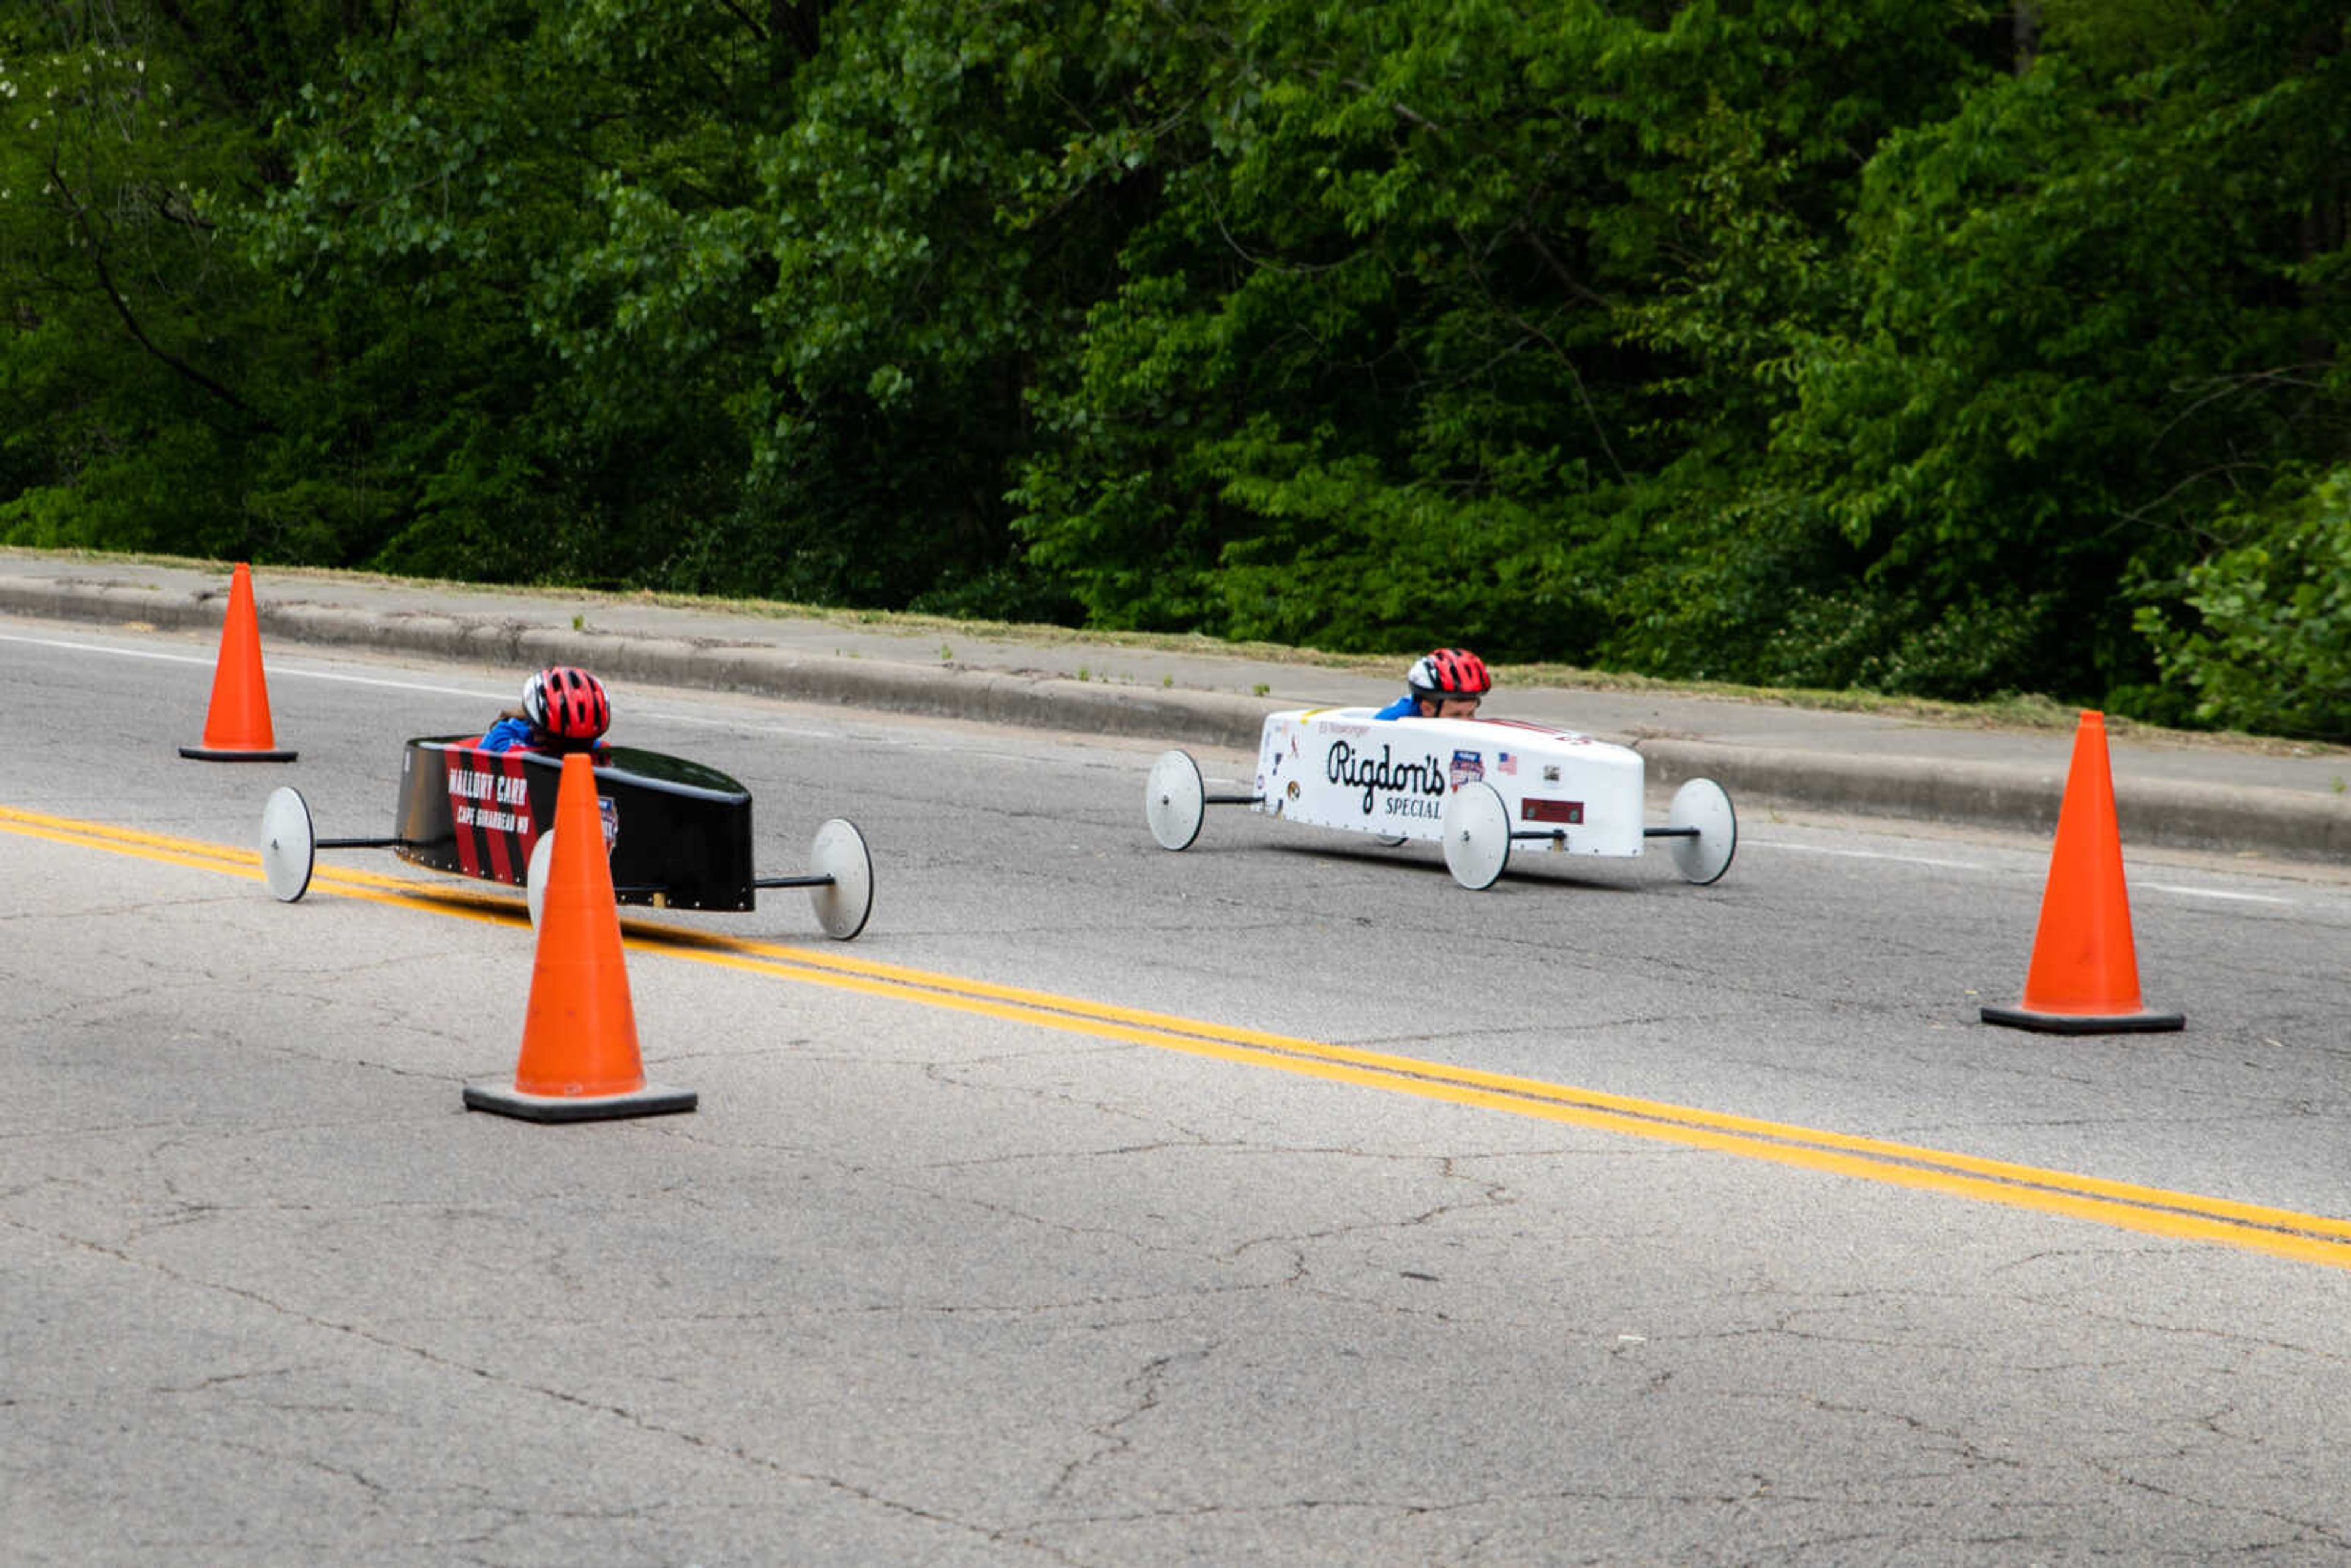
(1448,673)
(567,702)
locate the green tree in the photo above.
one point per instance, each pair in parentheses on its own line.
(148,374)
(1917,344)
(2090,313)
(1427,327)
(2262,639)
(490,200)
(703,296)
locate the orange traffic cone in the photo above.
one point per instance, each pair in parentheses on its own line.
(237,728)
(579,1060)
(2085,976)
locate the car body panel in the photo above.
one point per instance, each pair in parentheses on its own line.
(1350,769)
(678,834)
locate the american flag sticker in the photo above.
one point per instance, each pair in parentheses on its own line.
(1505,763)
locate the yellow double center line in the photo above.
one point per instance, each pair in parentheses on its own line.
(2310,1238)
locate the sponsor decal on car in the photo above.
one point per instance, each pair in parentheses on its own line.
(1345,765)
(496,802)
(610,809)
(1551,772)
(1569,812)
(1469,768)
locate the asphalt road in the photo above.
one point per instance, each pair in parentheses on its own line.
(1275,1202)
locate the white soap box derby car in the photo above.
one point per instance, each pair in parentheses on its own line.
(1478,785)
(677,834)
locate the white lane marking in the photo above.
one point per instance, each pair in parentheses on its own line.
(2214,893)
(290,671)
(101,648)
(1865,854)
(2177,889)
(897,739)
(293,672)
(673,717)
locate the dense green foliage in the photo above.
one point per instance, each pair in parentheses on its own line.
(1920,345)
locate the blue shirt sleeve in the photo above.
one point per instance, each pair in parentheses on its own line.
(1405,706)
(506,735)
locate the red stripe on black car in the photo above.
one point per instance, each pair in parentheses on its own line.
(498,841)
(462,809)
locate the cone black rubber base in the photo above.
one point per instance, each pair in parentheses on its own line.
(505,1099)
(2086,1024)
(209,754)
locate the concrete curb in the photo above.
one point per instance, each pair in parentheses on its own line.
(2176,814)
(1183,717)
